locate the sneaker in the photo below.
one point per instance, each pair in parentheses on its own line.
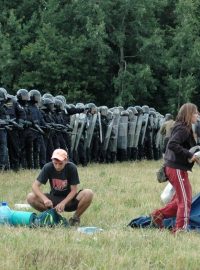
(74,221)
(157,219)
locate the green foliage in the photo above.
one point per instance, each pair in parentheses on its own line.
(134,53)
(183,54)
(136,84)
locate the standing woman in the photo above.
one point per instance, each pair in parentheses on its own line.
(178,161)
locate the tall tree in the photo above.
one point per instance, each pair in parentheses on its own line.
(183,54)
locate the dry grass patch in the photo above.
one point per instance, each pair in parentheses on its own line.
(122,191)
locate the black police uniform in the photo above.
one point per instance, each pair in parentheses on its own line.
(14,112)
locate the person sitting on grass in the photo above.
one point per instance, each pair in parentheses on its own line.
(64,195)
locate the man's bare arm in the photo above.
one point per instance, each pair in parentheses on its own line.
(37,191)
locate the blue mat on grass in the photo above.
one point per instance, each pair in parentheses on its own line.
(145,221)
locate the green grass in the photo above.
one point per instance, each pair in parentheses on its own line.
(123,191)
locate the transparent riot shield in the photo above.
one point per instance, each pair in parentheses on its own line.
(81,126)
(74,132)
(137,132)
(159,120)
(145,109)
(91,121)
(131,130)
(122,136)
(112,147)
(108,130)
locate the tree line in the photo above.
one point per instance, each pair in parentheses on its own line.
(121,52)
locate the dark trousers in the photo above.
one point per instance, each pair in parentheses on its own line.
(39,151)
(3,149)
(26,141)
(48,141)
(14,149)
(42,151)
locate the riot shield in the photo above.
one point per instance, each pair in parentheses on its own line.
(81,126)
(122,136)
(137,131)
(145,109)
(108,131)
(72,119)
(100,127)
(102,117)
(131,126)
(74,132)
(131,130)
(91,121)
(158,144)
(112,146)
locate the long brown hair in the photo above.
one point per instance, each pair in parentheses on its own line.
(185,113)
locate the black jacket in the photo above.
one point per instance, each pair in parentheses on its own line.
(177,151)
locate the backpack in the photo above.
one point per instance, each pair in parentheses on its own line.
(50,218)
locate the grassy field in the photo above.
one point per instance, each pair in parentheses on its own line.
(123,191)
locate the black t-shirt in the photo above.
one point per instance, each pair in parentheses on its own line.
(60,182)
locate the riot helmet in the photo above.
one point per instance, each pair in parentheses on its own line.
(145,108)
(35,96)
(168,116)
(11,98)
(62,98)
(133,109)
(124,113)
(103,110)
(130,114)
(130,108)
(121,108)
(70,106)
(3,94)
(48,95)
(152,109)
(59,105)
(151,112)
(92,107)
(22,95)
(47,104)
(115,111)
(139,109)
(80,105)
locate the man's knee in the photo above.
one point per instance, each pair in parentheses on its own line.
(31,198)
(87,194)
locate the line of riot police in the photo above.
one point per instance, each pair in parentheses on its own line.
(32,126)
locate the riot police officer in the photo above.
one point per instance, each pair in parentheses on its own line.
(50,138)
(3,131)
(15,114)
(58,118)
(26,136)
(39,149)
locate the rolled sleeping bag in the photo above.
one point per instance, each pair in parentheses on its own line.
(22,218)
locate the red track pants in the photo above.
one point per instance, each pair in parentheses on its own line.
(180,204)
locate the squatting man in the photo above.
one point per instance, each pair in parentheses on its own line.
(64,195)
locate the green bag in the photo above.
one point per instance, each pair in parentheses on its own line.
(50,218)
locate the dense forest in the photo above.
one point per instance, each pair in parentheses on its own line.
(110,52)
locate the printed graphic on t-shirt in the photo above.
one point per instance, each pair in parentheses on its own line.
(59,184)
